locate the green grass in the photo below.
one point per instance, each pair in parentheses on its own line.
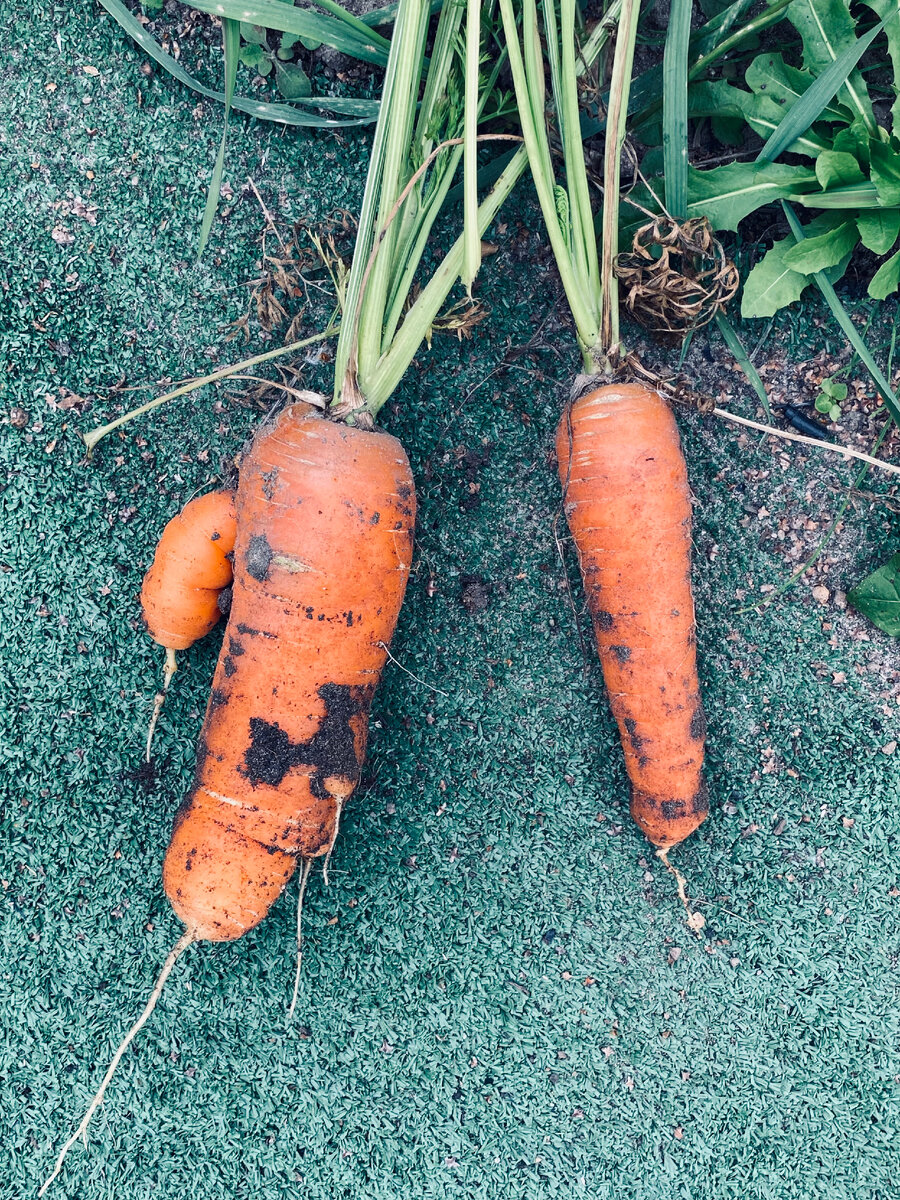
(446,1042)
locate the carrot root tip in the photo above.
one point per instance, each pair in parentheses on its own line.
(159,700)
(186,939)
(695,920)
(304,875)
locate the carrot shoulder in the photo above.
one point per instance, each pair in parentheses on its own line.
(192,564)
(325,521)
(628,505)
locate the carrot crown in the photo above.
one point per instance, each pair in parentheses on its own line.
(415,155)
(586,270)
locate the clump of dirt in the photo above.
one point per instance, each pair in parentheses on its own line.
(145,775)
(475,593)
(331,751)
(469,463)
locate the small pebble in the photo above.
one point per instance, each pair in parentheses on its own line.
(821,594)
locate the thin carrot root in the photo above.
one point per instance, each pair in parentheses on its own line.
(328,853)
(304,875)
(186,939)
(695,920)
(170,668)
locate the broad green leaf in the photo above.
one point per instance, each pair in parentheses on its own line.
(827,28)
(772,284)
(255,35)
(887,10)
(769,75)
(878,597)
(716,98)
(834,390)
(886,279)
(292,80)
(879,229)
(836,168)
(885,168)
(818,253)
(254,57)
(728,194)
(854,140)
(286,45)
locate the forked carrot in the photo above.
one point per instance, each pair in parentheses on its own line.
(325,515)
(324,544)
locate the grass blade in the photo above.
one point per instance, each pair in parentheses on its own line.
(736,346)
(471,235)
(675,108)
(801,115)
(388,14)
(843,319)
(363,112)
(370,47)
(231,39)
(356,23)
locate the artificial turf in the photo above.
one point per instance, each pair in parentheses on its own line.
(500,996)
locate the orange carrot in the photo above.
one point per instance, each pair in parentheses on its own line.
(180,594)
(628,505)
(325,517)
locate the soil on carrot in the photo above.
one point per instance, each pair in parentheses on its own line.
(500,995)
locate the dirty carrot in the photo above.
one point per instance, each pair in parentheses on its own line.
(624,480)
(324,512)
(182,593)
(325,515)
(325,522)
(628,505)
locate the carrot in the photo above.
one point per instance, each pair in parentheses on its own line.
(192,564)
(181,596)
(628,505)
(325,516)
(324,520)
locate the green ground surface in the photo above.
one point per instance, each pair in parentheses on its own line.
(491,1003)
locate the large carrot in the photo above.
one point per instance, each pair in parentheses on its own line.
(623,475)
(628,505)
(325,515)
(325,523)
